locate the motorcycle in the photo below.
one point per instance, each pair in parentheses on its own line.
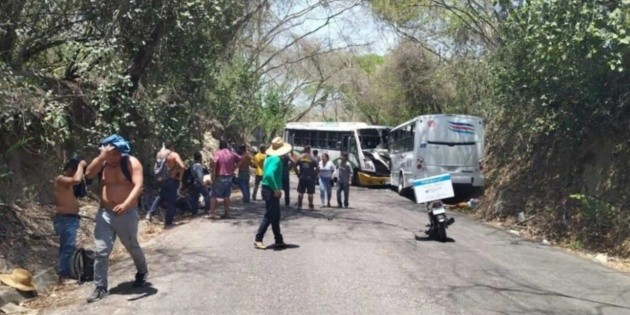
(438,221)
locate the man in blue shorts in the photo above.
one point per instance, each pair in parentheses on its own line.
(225,163)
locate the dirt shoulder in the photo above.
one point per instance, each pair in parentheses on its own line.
(34,246)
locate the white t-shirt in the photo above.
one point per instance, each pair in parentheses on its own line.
(326,170)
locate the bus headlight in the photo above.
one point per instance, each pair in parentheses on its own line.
(369,165)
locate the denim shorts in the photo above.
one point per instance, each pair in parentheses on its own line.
(222,187)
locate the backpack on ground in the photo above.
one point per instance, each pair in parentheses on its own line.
(82,265)
(160,169)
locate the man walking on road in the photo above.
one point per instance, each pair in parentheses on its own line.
(224,165)
(308,170)
(271,192)
(66,221)
(258,163)
(198,186)
(288,163)
(168,189)
(121,179)
(343,174)
(243,172)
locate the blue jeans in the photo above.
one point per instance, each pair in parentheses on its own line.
(66,227)
(168,191)
(243,181)
(345,188)
(272,216)
(325,189)
(195,192)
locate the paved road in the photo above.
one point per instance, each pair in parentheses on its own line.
(370,259)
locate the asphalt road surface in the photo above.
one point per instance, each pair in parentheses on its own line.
(370,259)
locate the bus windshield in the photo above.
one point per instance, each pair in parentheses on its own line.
(373,138)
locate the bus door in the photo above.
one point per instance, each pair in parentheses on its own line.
(353,151)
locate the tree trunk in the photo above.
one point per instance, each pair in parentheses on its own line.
(10,11)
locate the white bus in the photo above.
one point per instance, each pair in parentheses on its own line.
(437,144)
(366,146)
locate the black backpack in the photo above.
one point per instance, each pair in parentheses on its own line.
(82,267)
(124,167)
(188,180)
(80,189)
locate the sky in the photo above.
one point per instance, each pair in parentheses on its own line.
(357,26)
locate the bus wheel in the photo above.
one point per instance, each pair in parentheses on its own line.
(401,185)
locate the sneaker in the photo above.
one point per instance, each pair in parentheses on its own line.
(98,294)
(148,216)
(259,245)
(141,280)
(280,245)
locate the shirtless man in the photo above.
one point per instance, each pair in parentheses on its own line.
(121,181)
(168,189)
(66,221)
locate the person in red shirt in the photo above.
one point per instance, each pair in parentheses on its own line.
(224,164)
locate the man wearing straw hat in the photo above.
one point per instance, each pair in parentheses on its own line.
(272,191)
(121,180)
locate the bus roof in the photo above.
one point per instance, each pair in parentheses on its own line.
(376,127)
(437,116)
(328,126)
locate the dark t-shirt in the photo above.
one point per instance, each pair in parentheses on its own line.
(306,166)
(287,164)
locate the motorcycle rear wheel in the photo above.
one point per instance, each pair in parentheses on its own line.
(441,231)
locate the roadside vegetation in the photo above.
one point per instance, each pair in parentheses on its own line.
(550,78)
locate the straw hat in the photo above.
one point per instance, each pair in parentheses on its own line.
(20,279)
(278,147)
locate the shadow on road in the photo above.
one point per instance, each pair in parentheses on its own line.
(125,288)
(287,246)
(428,239)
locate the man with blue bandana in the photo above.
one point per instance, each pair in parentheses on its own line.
(121,181)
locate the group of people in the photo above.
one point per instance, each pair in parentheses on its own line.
(225,165)
(121,184)
(121,180)
(312,168)
(278,160)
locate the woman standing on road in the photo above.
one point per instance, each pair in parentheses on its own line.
(326,170)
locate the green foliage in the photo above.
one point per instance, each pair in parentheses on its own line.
(598,222)
(565,61)
(397,11)
(74,71)
(234,102)
(369,63)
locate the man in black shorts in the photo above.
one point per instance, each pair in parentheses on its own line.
(308,170)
